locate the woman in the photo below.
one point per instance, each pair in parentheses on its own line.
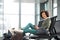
(39,29)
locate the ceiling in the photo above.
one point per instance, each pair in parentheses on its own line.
(30,1)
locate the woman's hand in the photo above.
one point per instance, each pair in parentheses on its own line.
(36,27)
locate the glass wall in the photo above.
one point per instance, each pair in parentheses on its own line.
(11,14)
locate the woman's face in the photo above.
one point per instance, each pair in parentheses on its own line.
(44,15)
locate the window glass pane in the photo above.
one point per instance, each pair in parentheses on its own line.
(27,14)
(46,6)
(1,33)
(11,21)
(1,11)
(1,8)
(1,17)
(55,3)
(55,12)
(25,19)
(1,21)
(11,7)
(27,8)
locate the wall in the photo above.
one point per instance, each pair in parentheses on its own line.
(58,9)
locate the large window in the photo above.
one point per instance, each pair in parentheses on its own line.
(27,14)
(9,15)
(11,18)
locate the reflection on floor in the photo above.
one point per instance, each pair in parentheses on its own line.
(41,39)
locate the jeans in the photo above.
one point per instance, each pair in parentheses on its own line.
(33,30)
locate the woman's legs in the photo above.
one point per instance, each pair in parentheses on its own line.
(27,30)
(32,31)
(29,26)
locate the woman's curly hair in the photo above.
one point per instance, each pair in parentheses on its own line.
(46,12)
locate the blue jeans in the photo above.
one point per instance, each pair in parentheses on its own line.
(33,30)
